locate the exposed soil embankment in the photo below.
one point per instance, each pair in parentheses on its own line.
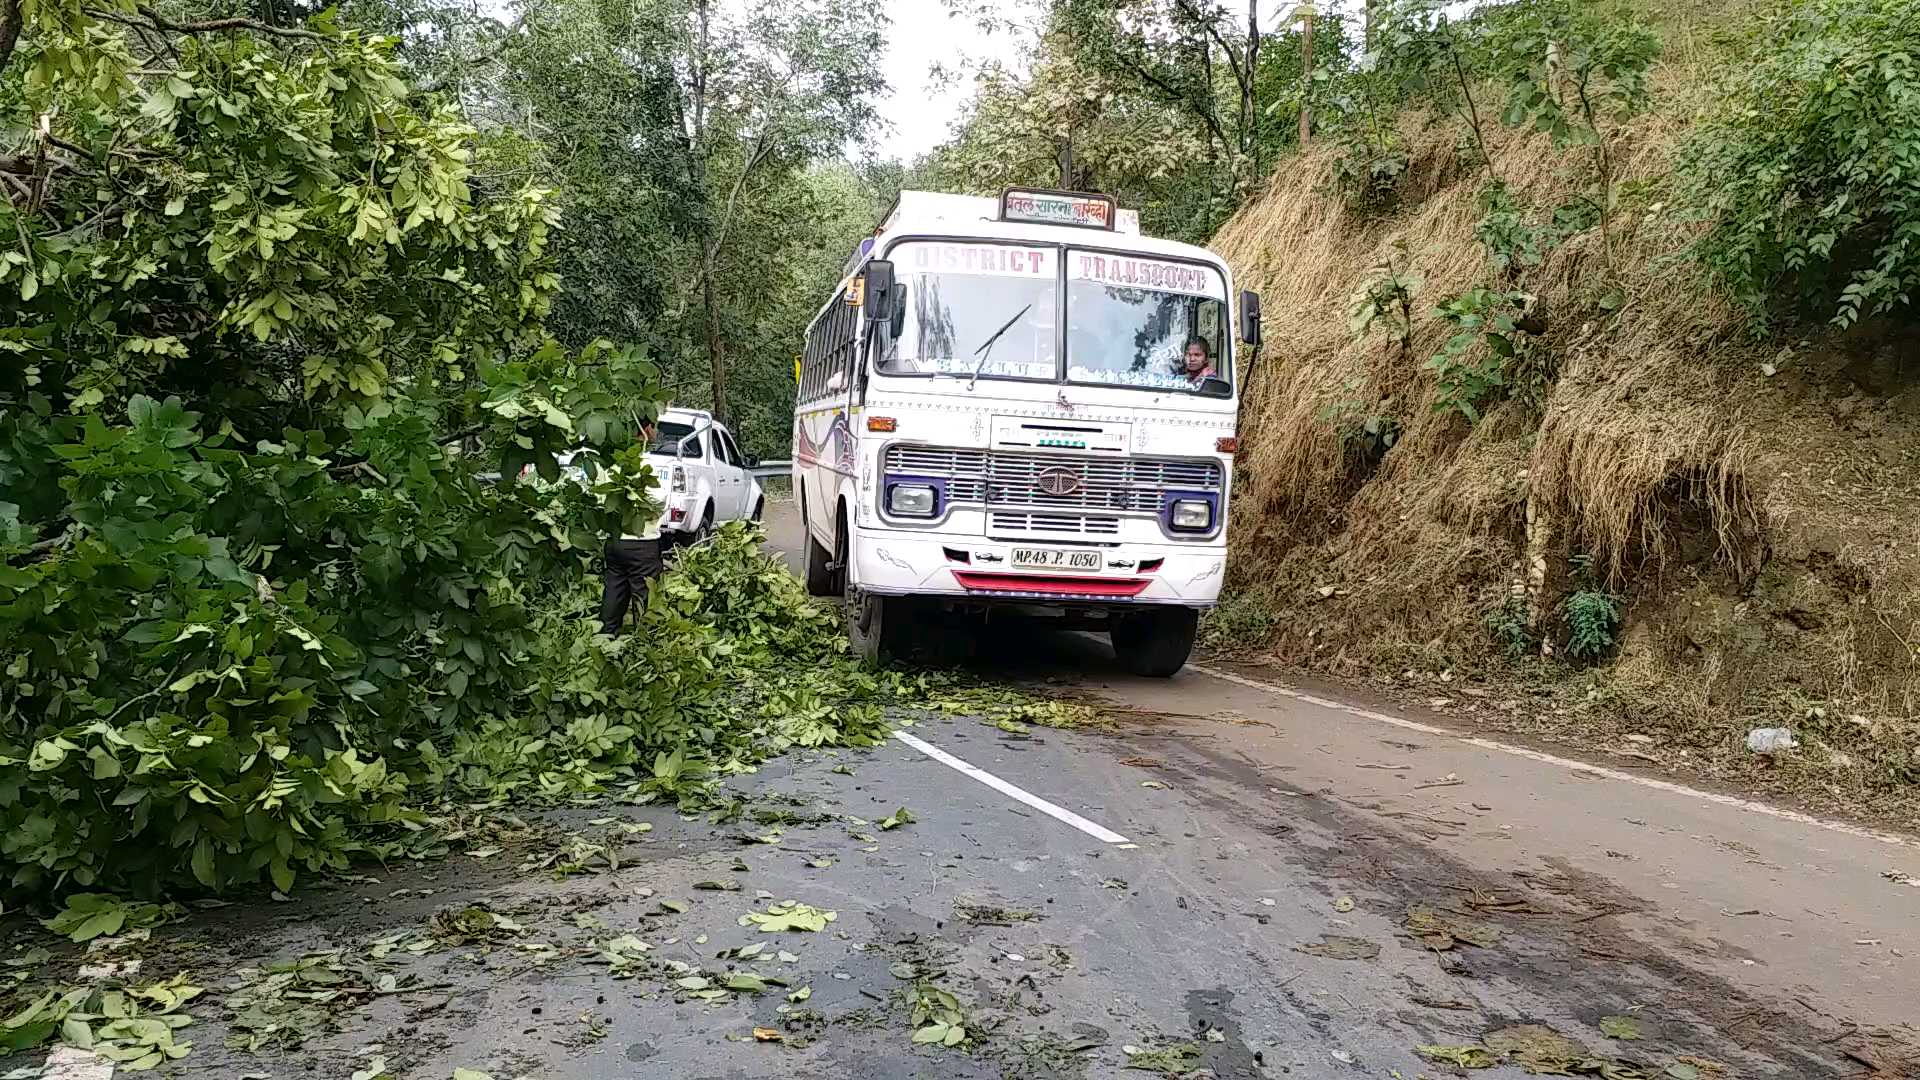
(1751,508)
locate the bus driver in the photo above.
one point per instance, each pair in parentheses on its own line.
(1197,363)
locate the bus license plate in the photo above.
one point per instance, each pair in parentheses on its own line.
(1058,559)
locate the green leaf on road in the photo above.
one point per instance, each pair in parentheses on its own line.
(902,816)
(1467,1057)
(1620,1027)
(789,915)
(1172,1060)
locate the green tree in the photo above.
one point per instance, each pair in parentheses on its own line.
(761,96)
(261,338)
(585,98)
(1808,171)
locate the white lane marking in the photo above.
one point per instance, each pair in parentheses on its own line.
(1747,805)
(72,1063)
(1058,813)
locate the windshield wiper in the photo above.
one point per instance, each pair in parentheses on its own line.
(986,347)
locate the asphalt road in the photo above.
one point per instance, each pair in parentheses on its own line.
(1224,877)
(1723,920)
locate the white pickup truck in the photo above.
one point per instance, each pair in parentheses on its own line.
(699,475)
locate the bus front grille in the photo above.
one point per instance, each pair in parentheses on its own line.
(1001,522)
(1055,482)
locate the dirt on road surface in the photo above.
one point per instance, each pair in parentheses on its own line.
(1231,878)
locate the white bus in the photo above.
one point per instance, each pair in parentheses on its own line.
(1021,406)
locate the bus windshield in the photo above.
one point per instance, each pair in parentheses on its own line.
(976,308)
(990,309)
(1145,322)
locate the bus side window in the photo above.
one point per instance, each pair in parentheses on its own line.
(1210,323)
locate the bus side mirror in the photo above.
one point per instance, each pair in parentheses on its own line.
(1250,317)
(877,303)
(899,321)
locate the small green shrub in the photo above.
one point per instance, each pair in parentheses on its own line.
(1366,173)
(1384,301)
(1809,170)
(1365,428)
(1593,621)
(1244,619)
(1486,359)
(1510,627)
(1511,242)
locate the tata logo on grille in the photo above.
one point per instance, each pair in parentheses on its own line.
(1057,481)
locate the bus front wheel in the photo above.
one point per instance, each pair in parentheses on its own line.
(874,626)
(1155,641)
(877,626)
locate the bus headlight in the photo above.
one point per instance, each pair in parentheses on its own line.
(911,500)
(1192,515)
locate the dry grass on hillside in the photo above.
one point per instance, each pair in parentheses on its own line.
(1762,542)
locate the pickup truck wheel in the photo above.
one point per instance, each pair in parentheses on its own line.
(706,526)
(1154,642)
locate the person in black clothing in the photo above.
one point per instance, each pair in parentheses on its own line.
(633,559)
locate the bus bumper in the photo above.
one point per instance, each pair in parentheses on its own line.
(970,567)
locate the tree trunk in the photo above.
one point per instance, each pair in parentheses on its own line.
(1306,72)
(1249,98)
(12,19)
(1545,567)
(709,243)
(716,359)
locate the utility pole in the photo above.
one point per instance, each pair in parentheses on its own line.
(1306,73)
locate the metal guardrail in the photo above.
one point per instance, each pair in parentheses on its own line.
(764,470)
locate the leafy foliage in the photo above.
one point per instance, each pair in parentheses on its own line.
(91,915)
(1569,67)
(1511,627)
(1593,620)
(262,599)
(1384,301)
(936,1016)
(1071,123)
(1809,170)
(1486,359)
(133,1027)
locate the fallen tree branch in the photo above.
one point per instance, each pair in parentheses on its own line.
(214,26)
(352,464)
(153,20)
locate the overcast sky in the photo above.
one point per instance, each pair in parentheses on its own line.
(922,35)
(922,109)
